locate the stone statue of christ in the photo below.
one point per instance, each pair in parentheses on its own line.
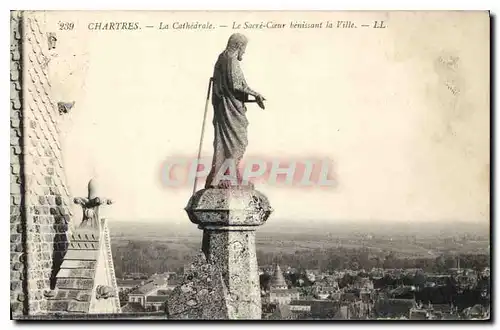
(230,92)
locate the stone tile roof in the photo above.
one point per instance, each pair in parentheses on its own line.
(75,279)
(76,282)
(39,194)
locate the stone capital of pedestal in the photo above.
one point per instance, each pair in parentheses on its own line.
(228,209)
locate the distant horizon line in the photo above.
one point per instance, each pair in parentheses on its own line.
(304,220)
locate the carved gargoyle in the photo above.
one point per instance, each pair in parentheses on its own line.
(104,292)
(65,107)
(49,293)
(51,40)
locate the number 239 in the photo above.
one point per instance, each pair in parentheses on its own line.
(66,25)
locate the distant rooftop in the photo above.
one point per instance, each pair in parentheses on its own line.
(156,298)
(278,280)
(149,286)
(129,282)
(132,307)
(292,290)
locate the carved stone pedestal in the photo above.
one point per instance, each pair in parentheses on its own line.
(229,219)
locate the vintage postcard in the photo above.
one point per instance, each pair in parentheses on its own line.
(250,165)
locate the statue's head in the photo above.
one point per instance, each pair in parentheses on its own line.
(237,44)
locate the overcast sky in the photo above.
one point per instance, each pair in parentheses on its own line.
(408,133)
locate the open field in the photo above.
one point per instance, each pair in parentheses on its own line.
(422,240)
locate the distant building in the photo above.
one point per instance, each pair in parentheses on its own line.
(279,312)
(486,272)
(402,292)
(312,275)
(466,279)
(363,283)
(433,312)
(283,296)
(300,306)
(476,312)
(127,284)
(133,308)
(135,276)
(355,304)
(437,280)
(279,292)
(377,272)
(326,287)
(155,303)
(151,288)
(135,280)
(315,309)
(394,308)
(417,313)
(278,280)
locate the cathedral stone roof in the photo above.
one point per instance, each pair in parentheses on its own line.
(85,282)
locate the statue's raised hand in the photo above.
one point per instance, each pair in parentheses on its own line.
(260,101)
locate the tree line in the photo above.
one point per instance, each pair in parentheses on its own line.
(151,257)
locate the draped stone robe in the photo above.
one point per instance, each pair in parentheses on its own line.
(230,122)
